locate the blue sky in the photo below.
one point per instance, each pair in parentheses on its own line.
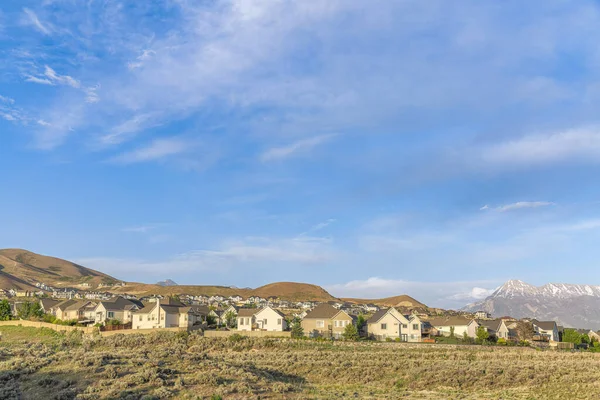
(374,148)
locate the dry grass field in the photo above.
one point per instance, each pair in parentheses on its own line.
(42,364)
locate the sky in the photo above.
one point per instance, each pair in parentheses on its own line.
(375,148)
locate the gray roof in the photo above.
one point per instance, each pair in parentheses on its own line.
(490,324)
(545,325)
(324,311)
(378,315)
(246,312)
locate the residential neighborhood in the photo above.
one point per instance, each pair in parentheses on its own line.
(325,320)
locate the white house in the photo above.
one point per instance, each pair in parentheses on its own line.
(546,329)
(459,325)
(264,319)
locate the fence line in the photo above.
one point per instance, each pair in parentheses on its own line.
(38,324)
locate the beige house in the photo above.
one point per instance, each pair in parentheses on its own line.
(166,313)
(495,327)
(47,304)
(326,321)
(81,310)
(119,308)
(265,319)
(460,325)
(390,323)
(246,319)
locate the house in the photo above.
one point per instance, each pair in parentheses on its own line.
(594,336)
(166,313)
(23,293)
(46,304)
(264,319)
(81,310)
(269,319)
(245,319)
(482,315)
(369,308)
(117,308)
(444,326)
(496,328)
(385,324)
(546,330)
(326,321)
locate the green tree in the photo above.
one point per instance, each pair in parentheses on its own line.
(211,320)
(452,332)
(28,310)
(351,332)
(297,330)
(5,311)
(361,321)
(482,335)
(572,336)
(230,319)
(465,337)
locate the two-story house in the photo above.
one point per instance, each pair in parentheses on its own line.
(326,321)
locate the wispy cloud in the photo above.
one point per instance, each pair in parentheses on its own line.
(140,229)
(158,149)
(518,205)
(50,77)
(573,144)
(32,19)
(298,147)
(128,129)
(322,225)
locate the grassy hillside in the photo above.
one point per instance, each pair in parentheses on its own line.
(22,269)
(162,365)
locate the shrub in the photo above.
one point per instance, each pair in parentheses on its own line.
(350,332)
(502,342)
(236,338)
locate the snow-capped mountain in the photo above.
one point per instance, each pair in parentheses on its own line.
(568,304)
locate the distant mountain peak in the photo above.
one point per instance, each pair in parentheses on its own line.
(167,282)
(569,304)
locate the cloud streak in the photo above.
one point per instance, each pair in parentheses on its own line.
(157,150)
(299,147)
(519,205)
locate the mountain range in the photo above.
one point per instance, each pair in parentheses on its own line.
(570,305)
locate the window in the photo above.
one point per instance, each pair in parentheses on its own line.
(335,323)
(265,321)
(321,324)
(404,326)
(111,314)
(247,321)
(162,317)
(383,326)
(148,318)
(140,317)
(415,327)
(278,321)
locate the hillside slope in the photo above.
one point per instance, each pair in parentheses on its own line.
(395,301)
(291,291)
(21,269)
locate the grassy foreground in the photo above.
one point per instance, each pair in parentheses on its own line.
(40,363)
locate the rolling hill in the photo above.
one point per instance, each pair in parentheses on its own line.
(395,301)
(21,269)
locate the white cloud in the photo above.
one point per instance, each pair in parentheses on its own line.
(300,146)
(251,251)
(476,293)
(61,79)
(518,205)
(41,81)
(140,229)
(322,225)
(158,149)
(573,144)
(7,100)
(127,129)
(32,19)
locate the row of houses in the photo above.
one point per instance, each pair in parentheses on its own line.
(163,313)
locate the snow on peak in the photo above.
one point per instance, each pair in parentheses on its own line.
(518,288)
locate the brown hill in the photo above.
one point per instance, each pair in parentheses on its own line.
(395,301)
(22,269)
(294,291)
(290,291)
